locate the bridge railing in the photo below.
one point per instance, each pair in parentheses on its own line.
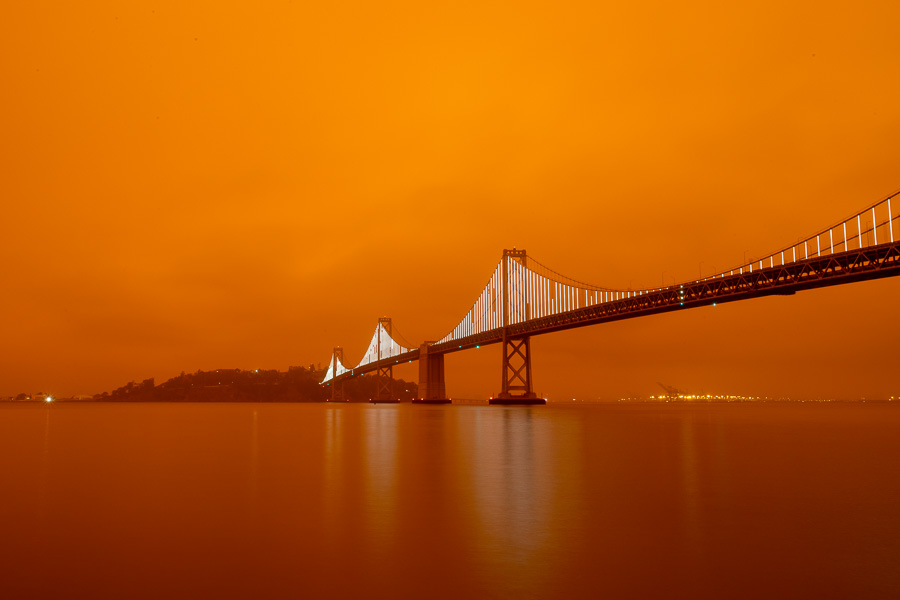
(870,227)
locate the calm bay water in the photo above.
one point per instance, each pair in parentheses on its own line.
(361,501)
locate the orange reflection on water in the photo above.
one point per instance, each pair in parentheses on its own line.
(285,500)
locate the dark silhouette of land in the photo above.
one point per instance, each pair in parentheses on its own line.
(297,384)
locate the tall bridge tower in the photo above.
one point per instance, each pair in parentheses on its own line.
(515,384)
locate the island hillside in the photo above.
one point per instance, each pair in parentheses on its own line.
(297,384)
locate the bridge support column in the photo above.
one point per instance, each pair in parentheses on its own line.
(431,378)
(516,387)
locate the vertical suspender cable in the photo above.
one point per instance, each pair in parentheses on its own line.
(874,226)
(890,220)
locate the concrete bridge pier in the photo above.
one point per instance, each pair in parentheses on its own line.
(431,378)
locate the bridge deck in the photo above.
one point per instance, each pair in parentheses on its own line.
(873,262)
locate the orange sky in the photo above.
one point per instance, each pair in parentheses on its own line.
(249,184)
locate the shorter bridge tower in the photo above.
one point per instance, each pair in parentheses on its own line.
(515,384)
(385,374)
(337,387)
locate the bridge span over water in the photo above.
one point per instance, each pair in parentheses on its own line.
(523,298)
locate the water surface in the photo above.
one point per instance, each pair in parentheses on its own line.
(361,501)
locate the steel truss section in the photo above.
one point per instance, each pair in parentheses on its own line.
(516,369)
(385,390)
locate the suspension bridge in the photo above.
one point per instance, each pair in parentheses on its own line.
(523,298)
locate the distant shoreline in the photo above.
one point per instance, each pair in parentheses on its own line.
(459,402)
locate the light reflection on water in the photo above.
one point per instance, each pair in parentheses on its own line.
(281,500)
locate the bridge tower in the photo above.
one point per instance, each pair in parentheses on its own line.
(337,387)
(515,384)
(431,377)
(385,375)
